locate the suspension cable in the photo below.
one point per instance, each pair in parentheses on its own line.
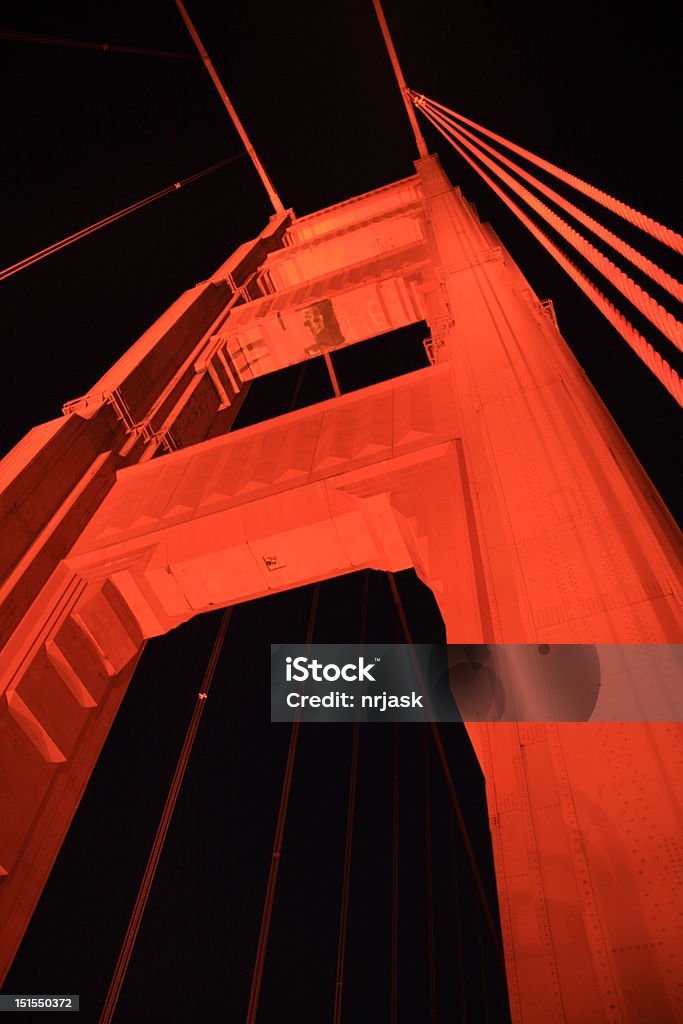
(142,898)
(643,349)
(649,307)
(346,879)
(393,1016)
(297,387)
(334,380)
(80,44)
(348,842)
(257,976)
(445,767)
(208,64)
(431,944)
(486,1002)
(460,960)
(271,886)
(647,266)
(77,235)
(652,227)
(393,57)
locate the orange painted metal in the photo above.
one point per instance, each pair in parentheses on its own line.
(496,472)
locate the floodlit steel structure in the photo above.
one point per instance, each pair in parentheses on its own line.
(496,472)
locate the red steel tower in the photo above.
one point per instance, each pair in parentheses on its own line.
(495,472)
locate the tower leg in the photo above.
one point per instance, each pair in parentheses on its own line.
(586,836)
(569,545)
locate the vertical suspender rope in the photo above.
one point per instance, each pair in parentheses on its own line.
(297,387)
(486,1002)
(264,931)
(431,944)
(119,975)
(348,843)
(257,976)
(450,785)
(460,964)
(327,356)
(346,881)
(208,64)
(393,1016)
(364,608)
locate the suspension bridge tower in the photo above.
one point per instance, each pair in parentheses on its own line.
(496,472)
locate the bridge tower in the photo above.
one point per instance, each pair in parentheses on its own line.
(495,472)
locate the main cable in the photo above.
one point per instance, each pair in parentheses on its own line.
(640,220)
(405,92)
(647,266)
(640,345)
(670,327)
(208,64)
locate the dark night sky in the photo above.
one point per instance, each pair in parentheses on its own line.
(590,87)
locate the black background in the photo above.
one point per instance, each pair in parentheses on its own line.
(591,87)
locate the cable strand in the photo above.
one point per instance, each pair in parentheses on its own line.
(271,886)
(448,776)
(81,44)
(431,942)
(149,874)
(670,327)
(49,250)
(640,220)
(348,840)
(393,1015)
(647,266)
(645,351)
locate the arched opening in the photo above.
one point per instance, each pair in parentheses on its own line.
(195,951)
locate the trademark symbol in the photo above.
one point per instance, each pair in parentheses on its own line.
(378,659)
